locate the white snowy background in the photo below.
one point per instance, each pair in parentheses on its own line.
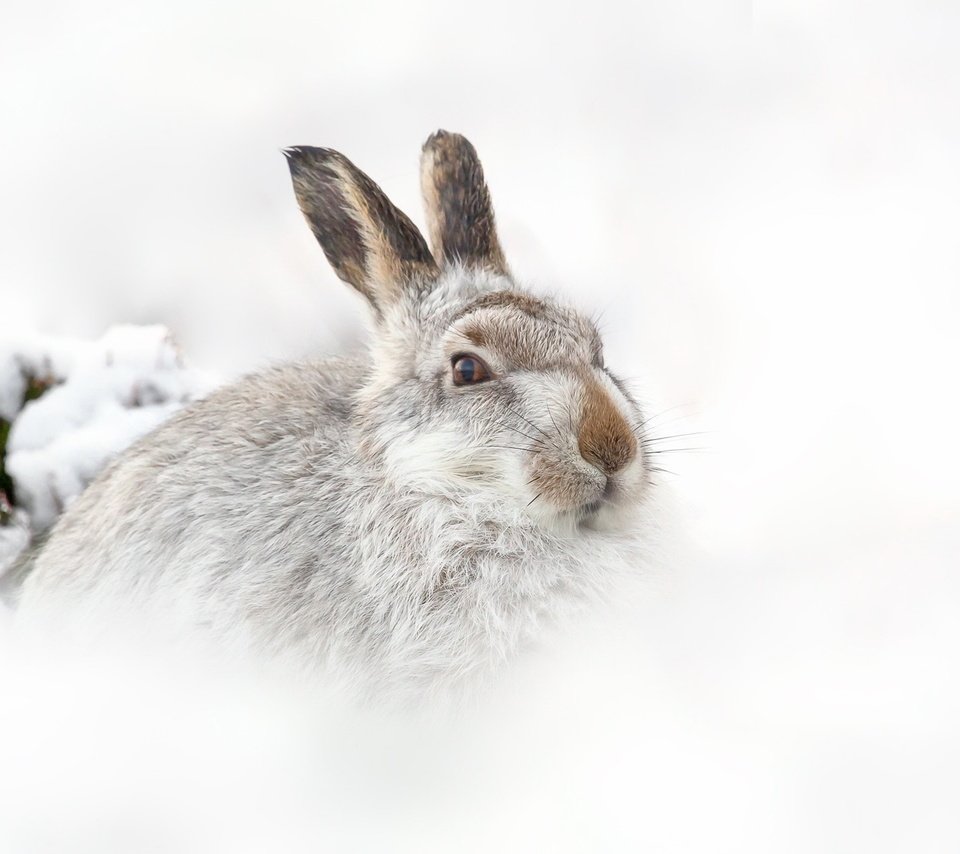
(762,201)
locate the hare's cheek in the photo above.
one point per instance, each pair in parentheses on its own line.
(563,484)
(633,481)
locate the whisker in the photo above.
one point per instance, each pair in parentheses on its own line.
(521,433)
(665,411)
(551,441)
(505,426)
(558,435)
(526,420)
(661,470)
(552,420)
(675,436)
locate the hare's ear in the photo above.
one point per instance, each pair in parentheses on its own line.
(459,212)
(370,243)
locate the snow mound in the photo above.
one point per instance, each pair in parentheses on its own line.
(100,397)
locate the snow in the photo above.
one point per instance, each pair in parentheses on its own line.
(761,201)
(105,394)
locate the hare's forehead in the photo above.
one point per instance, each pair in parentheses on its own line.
(524,331)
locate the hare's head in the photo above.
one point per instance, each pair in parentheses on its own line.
(476,389)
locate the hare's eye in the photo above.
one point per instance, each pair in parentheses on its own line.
(468,370)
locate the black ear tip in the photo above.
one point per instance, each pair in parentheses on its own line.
(440,137)
(444,140)
(298,152)
(301,157)
(296,157)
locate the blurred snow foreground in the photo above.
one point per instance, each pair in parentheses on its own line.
(68,407)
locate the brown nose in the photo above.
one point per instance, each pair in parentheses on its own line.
(605,438)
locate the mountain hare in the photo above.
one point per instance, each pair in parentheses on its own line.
(407,519)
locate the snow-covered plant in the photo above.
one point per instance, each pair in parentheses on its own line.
(68,406)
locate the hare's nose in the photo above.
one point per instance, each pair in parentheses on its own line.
(605,439)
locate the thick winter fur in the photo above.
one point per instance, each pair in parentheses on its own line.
(368,516)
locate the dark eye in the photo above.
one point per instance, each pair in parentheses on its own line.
(468,370)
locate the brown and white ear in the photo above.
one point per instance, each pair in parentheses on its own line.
(371,244)
(459,213)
